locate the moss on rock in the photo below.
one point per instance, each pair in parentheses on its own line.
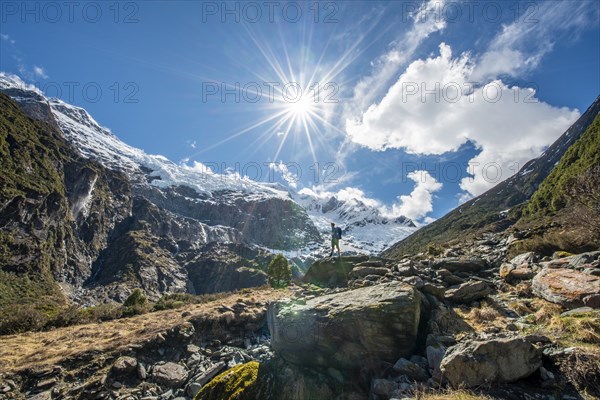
(238,383)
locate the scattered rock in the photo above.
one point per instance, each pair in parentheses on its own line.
(413,371)
(474,363)
(468,292)
(361,272)
(455,264)
(567,287)
(169,374)
(124,366)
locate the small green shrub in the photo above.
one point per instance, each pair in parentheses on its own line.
(135,304)
(279,271)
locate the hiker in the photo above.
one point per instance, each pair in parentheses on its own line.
(336,235)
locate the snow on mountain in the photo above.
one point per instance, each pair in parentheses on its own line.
(365,228)
(97,142)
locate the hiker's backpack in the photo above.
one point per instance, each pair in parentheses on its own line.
(339,232)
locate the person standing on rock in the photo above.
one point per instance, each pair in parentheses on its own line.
(336,235)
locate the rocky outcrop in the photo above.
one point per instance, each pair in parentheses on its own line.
(332,271)
(475,363)
(567,287)
(347,330)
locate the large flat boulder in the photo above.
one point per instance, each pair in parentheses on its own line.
(475,363)
(567,287)
(348,330)
(460,264)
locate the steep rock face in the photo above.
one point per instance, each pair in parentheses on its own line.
(56,208)
(489,211)
(348,330)
(223,268)
(274,222)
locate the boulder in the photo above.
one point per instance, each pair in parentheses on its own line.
(468,292)
(516,272)
(347,330)
(124,366)
(567,287)
(475,363)
(169,374)
(462,264)
(361,272)
(525,258)
(579,260)
(410,369)
(332,271)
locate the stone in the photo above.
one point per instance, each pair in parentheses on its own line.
(347,330)
(414,281)
(579,260)
(467,292)
(566,287)
(407,270)
(361,272)
(141,371)
(516,272)
(434,290)
(462,264)
(435,354)
(47,395)
(193,389)
(413,371)
(576,311)
(525,258)
(475,363)
(384,387)
(169,374)
(124,366)
(213,371)
(593,300)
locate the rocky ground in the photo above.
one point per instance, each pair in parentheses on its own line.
(468,324)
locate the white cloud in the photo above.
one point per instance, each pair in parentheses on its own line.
(419,202)
(426,20)
(508,124)
(520,46)
(290,178)
(415,205)
(39,72)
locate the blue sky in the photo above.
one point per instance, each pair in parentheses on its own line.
(417,86)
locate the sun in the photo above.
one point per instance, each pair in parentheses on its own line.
(302,108)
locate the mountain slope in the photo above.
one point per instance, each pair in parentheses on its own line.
(495,209)
(51,228)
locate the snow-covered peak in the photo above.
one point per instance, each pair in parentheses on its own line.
(97,142)
(365,228)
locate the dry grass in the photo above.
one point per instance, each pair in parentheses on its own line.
(31,349)
(482,317)
(576,330)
